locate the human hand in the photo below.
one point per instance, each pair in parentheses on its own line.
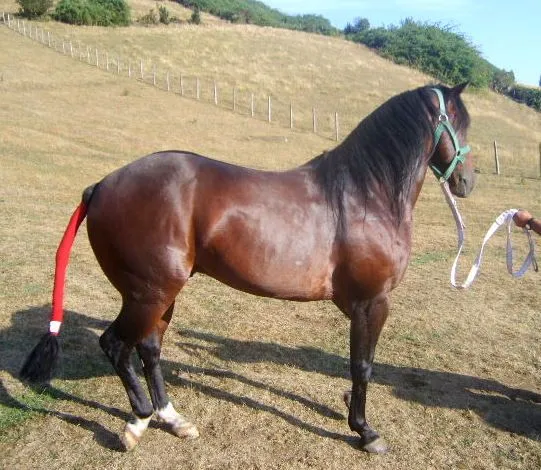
(522,217)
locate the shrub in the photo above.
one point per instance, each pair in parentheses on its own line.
(196,16)
(150,18)
(93,12)
(164,14)
(34,8)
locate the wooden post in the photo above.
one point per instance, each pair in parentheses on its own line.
(24,28)
(215,93)
(88,54)
(197,88)
(97,58)
(71,49)
(107,61)
(181,85)
(314,121)
(336,126)
(539,159)
(49,38)
(129,68)
(118,65)
(63,47)
(290,115)
(142,74)
(252,108)
(270,109)
(167,81)
(496,158)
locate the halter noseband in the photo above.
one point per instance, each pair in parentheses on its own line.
(445,125)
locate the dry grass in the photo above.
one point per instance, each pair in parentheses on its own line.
(458,373)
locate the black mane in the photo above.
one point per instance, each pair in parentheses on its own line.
(384,151)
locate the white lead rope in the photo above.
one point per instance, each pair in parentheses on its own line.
(505,218)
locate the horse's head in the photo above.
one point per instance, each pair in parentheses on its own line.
(452,161)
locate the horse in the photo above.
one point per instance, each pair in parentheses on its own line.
(337,228)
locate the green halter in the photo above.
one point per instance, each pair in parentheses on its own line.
(445,125)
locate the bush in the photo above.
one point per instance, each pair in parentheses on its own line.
(196,16)
(256,12)
(93,12)
(150,18)
(164,14)
(34,8)
(432,48)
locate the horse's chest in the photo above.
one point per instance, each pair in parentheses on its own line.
(377,263)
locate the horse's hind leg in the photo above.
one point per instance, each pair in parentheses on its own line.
(149,350)
(118,341)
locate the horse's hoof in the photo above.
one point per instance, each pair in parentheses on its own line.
(186,430)
(129,440)
(377,446)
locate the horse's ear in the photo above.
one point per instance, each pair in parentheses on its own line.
(460,88)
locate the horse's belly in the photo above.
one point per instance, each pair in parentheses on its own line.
(290,278)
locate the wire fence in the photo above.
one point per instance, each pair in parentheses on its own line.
(257,105)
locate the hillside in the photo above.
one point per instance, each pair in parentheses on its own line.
(306,70)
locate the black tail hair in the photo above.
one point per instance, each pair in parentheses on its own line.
(42,362)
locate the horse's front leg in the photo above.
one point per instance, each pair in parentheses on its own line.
(367,320)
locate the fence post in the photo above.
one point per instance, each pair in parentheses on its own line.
(496,158)
(215,93)
(167,81)
(118,65)
(336,126)
(291,115)
(181,85)
(129,68)
(539,159)
(197,88)
(87,54)
(314,121)
(71,49)
(49,38)
(97,58)
(270,109)
(107,61)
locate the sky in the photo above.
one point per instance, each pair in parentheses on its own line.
(507,33)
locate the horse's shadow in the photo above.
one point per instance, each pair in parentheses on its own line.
(510,409)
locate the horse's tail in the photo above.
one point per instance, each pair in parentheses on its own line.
(41,363)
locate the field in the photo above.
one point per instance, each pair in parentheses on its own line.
(457,377)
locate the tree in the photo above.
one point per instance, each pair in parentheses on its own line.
(34,8)
(359,25)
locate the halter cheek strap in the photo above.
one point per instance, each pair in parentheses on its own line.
(444,125)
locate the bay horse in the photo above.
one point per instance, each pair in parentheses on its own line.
(337,228)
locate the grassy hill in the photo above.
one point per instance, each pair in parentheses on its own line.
(457,377)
